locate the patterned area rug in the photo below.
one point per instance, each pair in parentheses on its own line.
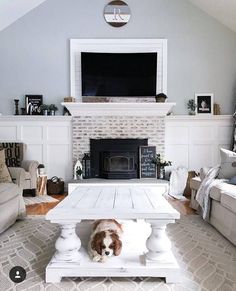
(207,259)
(39,199)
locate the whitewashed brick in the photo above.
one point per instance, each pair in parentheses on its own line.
(96,127)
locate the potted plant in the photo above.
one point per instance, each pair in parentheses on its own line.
(79,173)
(52,109)
(44,109)
(161,163)
(191,106)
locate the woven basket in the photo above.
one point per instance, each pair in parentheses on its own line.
(55,187)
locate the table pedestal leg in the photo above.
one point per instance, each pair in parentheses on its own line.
(159,251)
(68,244)
(158,244)
(67,250)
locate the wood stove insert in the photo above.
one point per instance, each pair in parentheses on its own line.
(115,158)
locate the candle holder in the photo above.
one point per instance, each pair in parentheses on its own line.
(16,106)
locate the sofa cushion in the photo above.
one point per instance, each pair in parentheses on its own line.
(4,173)
(228,200)
(8,191)
(228,164)
(232,180)
(215,192)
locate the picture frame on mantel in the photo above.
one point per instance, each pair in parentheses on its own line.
(204,103)
(33,103)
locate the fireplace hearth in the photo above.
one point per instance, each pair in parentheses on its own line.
(115,158)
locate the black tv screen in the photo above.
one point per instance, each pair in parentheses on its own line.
(118,74)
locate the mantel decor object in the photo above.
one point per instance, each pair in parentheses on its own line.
(16,106)
(33,103)
(161,98)
(117,13)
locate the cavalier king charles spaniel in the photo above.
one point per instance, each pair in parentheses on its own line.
(105,240)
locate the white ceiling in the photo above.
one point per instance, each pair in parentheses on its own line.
(223,10)
(11,10)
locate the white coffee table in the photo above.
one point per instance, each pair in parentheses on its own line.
(127,201)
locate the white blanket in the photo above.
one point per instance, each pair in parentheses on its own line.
(203,193)
(178,180)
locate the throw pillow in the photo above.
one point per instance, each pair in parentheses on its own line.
(232,180)
(4,173)
(228,164)
(13,153)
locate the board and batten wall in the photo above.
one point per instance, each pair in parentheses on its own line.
(190,141)
(34,51)
(195,141)
(48,140)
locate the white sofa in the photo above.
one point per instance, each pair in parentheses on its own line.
(223,207)
(12,205)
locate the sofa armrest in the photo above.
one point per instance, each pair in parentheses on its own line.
(31,167)
(17,175)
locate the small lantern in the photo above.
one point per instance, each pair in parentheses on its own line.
(41,169)
(86,166)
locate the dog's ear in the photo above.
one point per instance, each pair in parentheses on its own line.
(97,242)
(116,244)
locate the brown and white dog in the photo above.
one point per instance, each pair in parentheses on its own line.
(105,240)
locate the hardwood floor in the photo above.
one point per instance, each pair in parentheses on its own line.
(42,208)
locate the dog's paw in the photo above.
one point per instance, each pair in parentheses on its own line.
(96,258)
(103,259)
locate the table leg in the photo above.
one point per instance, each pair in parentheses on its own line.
(68,244)
(158,244)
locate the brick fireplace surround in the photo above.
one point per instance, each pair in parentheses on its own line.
(98,127)
(117,120)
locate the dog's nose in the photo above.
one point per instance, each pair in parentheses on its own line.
(107,253)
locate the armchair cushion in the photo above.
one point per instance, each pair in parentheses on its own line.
(8,191)
(31,168)
(18,176)
(4,173)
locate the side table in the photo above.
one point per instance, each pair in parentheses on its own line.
(42,185)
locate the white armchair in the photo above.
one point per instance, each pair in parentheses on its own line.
(30,176)
(14,153)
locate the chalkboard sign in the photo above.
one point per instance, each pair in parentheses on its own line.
(146,165)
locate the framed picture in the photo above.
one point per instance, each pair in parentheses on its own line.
(33,103)
(204,102)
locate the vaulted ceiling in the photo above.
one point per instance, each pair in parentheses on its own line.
(223,10)
(11,10)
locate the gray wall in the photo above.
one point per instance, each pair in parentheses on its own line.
(34,51)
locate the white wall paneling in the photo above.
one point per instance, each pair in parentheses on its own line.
(195,141)
(48,140)
(191,141)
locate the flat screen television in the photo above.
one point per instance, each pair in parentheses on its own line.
(118,74)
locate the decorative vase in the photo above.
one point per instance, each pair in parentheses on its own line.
(160,172)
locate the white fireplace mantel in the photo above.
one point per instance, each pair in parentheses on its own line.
(119,109)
